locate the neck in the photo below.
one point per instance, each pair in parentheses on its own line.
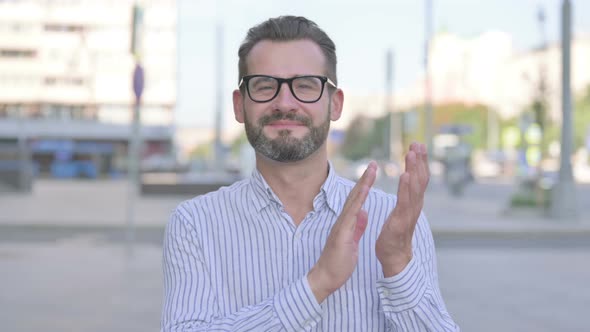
(295,183)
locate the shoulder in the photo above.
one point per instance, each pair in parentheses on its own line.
(202,206)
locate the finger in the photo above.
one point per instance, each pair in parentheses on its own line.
(370,174)
(348,217)
(417,148)
(358,196)
(362,220)
(411,161)
(418,183)
(422,166)
(424,158)
(403,195)
(416,192)
(412,147)
(416,203)
(413,165)
(367,179)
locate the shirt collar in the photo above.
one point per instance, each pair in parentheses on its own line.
(262,194)
(329,190)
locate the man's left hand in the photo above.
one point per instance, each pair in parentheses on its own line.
(394,245)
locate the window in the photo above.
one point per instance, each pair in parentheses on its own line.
(72,81)
(58,27)
(17,53)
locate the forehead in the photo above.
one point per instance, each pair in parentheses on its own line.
(286,59)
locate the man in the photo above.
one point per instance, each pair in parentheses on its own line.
(296,247)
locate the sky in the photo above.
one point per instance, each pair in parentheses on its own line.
(362,32)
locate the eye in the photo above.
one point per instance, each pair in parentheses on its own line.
(303,86)
(262,84)
(307,83)
(263,87)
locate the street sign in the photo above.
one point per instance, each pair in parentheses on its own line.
(138,81)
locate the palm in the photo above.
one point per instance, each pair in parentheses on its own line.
(340,255)
(394,244)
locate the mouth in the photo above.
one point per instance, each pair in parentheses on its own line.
(285,124)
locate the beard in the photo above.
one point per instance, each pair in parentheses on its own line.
(285,147)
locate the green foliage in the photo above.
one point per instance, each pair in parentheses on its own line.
(237,143)
(581,114)
(417,135)
(522,200)
(365,137)
(531,197)
(475,116)
(362,136)
(202,151)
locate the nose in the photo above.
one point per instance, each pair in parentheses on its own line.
(285,101)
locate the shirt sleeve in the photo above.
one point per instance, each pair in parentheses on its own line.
(411,300)
(190,303)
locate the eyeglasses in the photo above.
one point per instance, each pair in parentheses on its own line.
(306,89)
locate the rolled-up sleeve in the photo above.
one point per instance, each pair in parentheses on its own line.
(411,300)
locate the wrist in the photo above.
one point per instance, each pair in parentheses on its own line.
(314,278)
(393,267)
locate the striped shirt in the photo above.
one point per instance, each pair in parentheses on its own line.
(234,260)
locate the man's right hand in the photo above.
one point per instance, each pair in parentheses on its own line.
(340,255)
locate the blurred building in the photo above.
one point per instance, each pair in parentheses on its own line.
(484,70)
(65,81)
(487,70)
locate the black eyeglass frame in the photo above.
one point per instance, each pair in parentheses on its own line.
(289,81)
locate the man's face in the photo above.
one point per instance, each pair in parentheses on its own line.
(285,129)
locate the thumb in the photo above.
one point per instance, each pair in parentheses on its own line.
(362,219)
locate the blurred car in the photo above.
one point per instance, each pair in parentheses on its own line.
(385,168)
(487,164)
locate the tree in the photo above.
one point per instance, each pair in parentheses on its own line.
(237,143)
(361,138)
(476,117)
(582,119)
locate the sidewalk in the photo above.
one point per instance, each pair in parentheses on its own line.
(484,209)
(104,205)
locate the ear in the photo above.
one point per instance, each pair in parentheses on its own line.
(238,101)
(337,100)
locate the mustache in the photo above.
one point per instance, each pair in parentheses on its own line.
(267,119)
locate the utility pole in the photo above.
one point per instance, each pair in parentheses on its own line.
(428,109)
(394,137)
(134,145)
(563,203)
(218,147)
(540,105)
